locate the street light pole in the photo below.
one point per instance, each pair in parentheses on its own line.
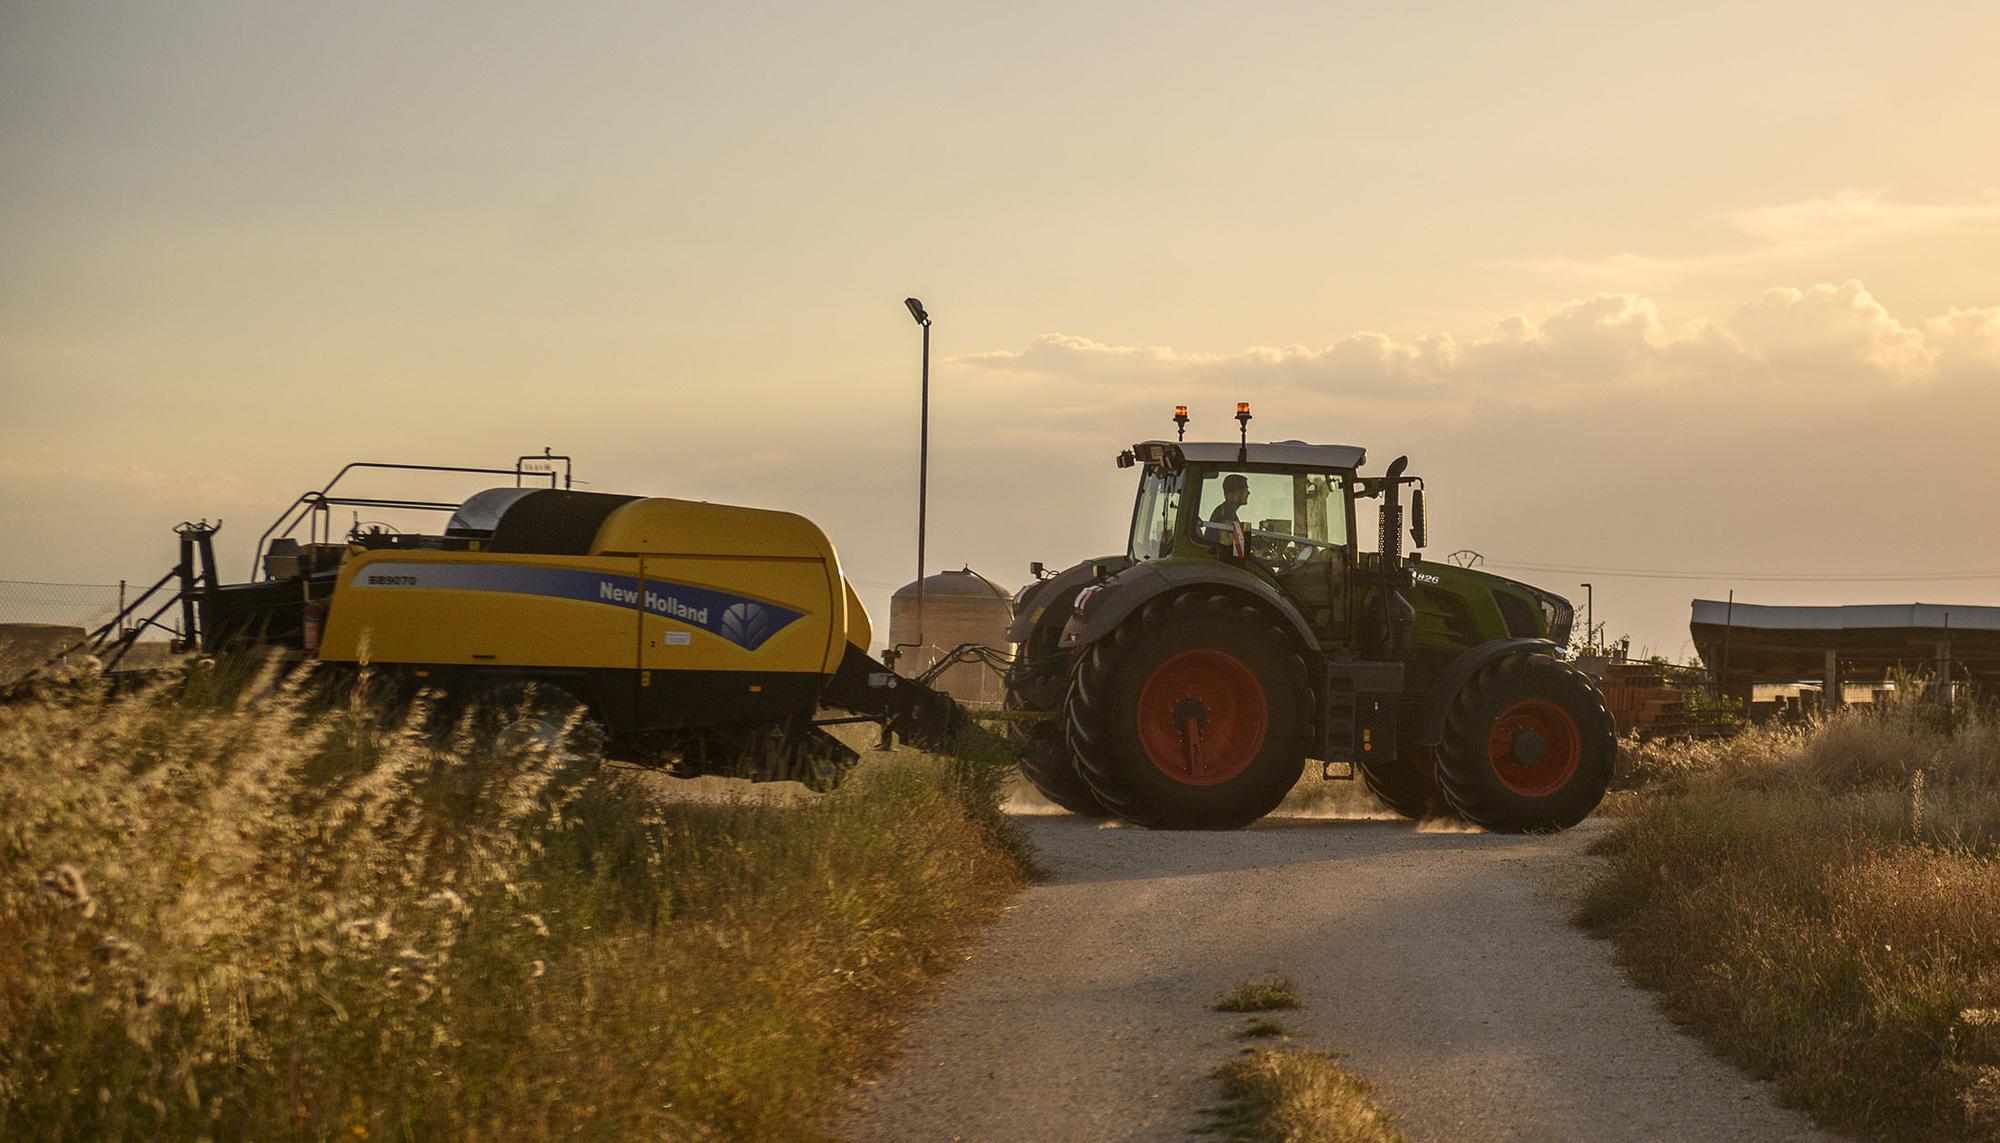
(923,466)
(1589,617)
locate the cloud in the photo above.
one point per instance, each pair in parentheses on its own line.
(1833,330)
(1854,215)
(1967,342)
(1827,339)
(1782,232)
(1369,362)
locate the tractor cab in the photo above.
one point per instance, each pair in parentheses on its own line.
(1285,512)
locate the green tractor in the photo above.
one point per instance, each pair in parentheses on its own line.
(1184,683)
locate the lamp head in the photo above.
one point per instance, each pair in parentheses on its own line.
(917,311)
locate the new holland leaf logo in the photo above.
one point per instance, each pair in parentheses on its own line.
(746,624)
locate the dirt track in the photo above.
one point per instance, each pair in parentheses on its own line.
(1441,963)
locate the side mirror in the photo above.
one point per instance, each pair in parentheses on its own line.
(1420,532)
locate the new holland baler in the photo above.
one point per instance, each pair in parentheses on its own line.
(705,637)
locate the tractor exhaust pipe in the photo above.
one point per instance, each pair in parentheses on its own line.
(1391,515)
(1399,617)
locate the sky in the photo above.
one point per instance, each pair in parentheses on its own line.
(1675,299)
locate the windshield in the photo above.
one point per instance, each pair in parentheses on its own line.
(1290,506)
(1153,519)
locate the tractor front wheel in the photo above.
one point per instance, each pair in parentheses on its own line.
(1408,785)
(1528,746)
(1193,714)
(1045,760)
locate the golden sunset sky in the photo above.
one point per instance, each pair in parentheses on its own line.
(1682,288)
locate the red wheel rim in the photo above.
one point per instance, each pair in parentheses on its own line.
(1534,748)
(1202,717)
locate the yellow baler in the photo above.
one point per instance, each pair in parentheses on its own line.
(704,635)
(670,609)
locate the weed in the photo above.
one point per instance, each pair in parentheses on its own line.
(1298,1096)
(1261,1029)
(1260,996)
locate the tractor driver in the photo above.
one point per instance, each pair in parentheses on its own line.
(1235,494)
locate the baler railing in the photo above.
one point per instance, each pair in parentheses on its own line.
(322,501)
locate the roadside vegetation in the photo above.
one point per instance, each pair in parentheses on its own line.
(1823,905)
(228,910)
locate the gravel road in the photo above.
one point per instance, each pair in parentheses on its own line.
(1441,963)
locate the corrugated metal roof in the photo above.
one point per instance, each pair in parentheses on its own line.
(1849,617)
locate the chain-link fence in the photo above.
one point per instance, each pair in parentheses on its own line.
(41,622)
(85,605)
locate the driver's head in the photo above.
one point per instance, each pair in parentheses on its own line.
(1236,488)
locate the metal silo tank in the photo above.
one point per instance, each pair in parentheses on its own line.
(959,607)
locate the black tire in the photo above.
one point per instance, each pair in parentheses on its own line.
(1408,785)
(1046,763)
(790,751)
(1244,682)
(538,716)
(1551,771)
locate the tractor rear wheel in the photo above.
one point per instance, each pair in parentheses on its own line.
(1046,762)
(1528,746)
(1408,785)
(1193,714)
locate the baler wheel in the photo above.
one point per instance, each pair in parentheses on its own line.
(1193,714)
(539,716)
(1528,747)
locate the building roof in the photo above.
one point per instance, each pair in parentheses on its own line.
(1932,618)
(1296,453)
(1751,641)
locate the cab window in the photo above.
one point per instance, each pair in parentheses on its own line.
(1153,519)
(1277,506)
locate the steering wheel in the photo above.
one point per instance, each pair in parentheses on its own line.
(1275,543)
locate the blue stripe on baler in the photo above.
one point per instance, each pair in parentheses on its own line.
(748,623)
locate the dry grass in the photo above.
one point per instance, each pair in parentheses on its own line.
(1823,904)
(226,911)
(1259,996)
(1299,1096)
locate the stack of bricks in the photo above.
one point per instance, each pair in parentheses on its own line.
(1641,700)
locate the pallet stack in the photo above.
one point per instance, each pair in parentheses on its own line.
(1642,702)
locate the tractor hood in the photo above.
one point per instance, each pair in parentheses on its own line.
(1527,610)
